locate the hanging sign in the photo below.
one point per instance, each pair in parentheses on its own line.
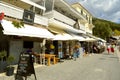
(28,17)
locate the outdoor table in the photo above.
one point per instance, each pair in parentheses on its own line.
(49,57)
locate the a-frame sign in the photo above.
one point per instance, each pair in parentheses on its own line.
(25,67)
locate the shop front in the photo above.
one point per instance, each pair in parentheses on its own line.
(20,39)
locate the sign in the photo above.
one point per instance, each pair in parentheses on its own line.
(28,16)
(25,66)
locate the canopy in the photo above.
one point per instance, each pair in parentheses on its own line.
(88,39)
(27,30)
(63,36)
(78,37)
(101,39)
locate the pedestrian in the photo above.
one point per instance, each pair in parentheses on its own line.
(119,48)
(85,50)
(95,49)
(29,50)
(33,54)
(108,48)
(76,52)
(112,48)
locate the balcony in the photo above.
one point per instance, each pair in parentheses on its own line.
(17,12)
(59,17)
(89,27)
(60,21)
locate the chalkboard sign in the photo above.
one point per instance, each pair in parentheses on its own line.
(25,66)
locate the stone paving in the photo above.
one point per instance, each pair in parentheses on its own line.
(91,67)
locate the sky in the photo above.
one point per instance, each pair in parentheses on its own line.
(103,9)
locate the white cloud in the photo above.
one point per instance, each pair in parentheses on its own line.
(116,17)
(104,9)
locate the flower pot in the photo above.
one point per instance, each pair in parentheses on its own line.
(10,71)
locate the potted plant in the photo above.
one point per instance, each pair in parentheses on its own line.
(3,65)
(10,68)
(2,55)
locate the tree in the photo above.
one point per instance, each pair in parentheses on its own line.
(116,32)
(113,26)
(102,29)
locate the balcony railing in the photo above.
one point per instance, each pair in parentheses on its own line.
(16,12)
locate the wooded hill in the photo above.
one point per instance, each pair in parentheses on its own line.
(104,28)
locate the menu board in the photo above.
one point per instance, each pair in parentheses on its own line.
(25,66)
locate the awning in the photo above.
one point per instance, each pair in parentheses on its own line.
(102,40)
(27,30)
(113,38)
(92,36)
(63,36)
(88,39)
(60,34)
(78,37)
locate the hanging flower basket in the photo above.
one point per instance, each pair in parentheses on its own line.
(18,24)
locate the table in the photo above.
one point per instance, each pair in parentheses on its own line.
(49,57)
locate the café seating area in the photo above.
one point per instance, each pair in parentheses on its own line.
(47,59)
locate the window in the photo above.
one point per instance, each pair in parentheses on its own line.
(28,44)
(49,5)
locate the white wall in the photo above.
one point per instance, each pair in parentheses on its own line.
(36,47)
(18,13)
(16,47)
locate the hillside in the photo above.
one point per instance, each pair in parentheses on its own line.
(113,26)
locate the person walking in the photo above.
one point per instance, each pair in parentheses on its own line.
(76,52)
(108,48)
(112,48)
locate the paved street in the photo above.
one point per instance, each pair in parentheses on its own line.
(94,67)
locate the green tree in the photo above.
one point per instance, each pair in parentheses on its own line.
(102,29)
(116,32)
(113,26)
